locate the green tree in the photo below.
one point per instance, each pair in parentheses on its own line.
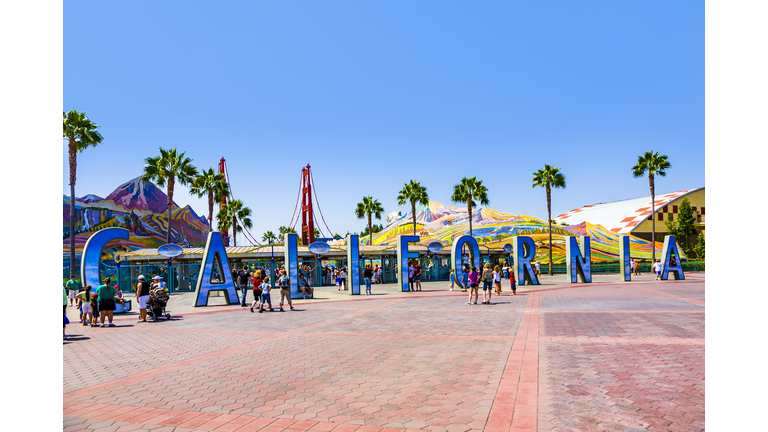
(699,248)
(236,211)
(283,230)
(269,237)
(212,184)
(685,224)
(413,192)
(654,165)
(168,168)
(468,190)
(549,177)
(369,207)
(80,133)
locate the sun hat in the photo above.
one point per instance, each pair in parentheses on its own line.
(141,277)
(156,278)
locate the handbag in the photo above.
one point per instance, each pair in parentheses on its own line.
(66,320)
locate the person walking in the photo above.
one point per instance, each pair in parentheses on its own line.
(142,297)
(417,276)
(657,268)
(73,288)
(85,303)
(257,281)
(285,289)
(410,277)
(474,280)
(512,281)
(343,278)
(497,279)
(487,283)
(452,277)
(538,270)
(107,297)
(636,268)
(64,290)
(242,279)
(265,295)
(505,269)
(367,275)
(465,278)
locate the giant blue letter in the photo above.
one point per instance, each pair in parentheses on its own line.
(578,260)
(353,264)
(524,244)
(214,251)
(291,250)
(403,257)
(89,263)
(670,246)
(624,254)
(474,257)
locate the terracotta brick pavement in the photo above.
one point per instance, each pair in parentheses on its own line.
(600,357)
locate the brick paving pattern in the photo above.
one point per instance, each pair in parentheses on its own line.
(606,356)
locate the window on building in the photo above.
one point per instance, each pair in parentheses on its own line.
(661,216)
(702,210)
(698,218)
(674,209)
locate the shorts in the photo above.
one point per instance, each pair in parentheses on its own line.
(410,280)
(265,298)
(72,294)
(65,316)
(658,272)
(486,285)
(86,308)
(474,285)
(257,293)
(95,307)
(106,305)
(143,301)
(417,277)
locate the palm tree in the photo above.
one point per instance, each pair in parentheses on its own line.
(369,206)
(549,177)
(169,168)
(466,191)
(212,184)
(269,237)
(414,192)
(80,133)
(655,165)
(234,211)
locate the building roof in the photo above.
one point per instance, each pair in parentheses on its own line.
(620,217)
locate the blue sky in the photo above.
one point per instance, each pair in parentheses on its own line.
(373,95)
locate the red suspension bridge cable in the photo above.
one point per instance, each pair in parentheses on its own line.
(247,233)
(292,224)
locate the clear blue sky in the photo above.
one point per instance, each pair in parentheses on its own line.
(375,94)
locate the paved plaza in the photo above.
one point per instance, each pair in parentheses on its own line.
(606,356)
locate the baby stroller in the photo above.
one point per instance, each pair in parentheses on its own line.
(158,299)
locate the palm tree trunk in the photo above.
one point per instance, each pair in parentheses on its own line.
(549,217)
(210,210)
(653,218)
(413,213)
(469,212)
(370,231)
(234,230)
(72,176)
(170,202)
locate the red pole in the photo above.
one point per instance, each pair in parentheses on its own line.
(307,213)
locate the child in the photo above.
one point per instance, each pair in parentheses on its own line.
(85,304)
(657,268)
(497,279)
(453,277)
(265,298)
(512,280)
(474,283)
(257,281)
(637,268)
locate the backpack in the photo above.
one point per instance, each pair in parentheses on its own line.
(285,282)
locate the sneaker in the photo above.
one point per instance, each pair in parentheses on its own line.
(102,325)
(261,311)
(474,303)
(80,321)
(291,307)
(65,337)
(111,325)
(470,303)
(251,309)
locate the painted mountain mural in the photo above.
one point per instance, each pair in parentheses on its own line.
(140,207)
(437,222)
